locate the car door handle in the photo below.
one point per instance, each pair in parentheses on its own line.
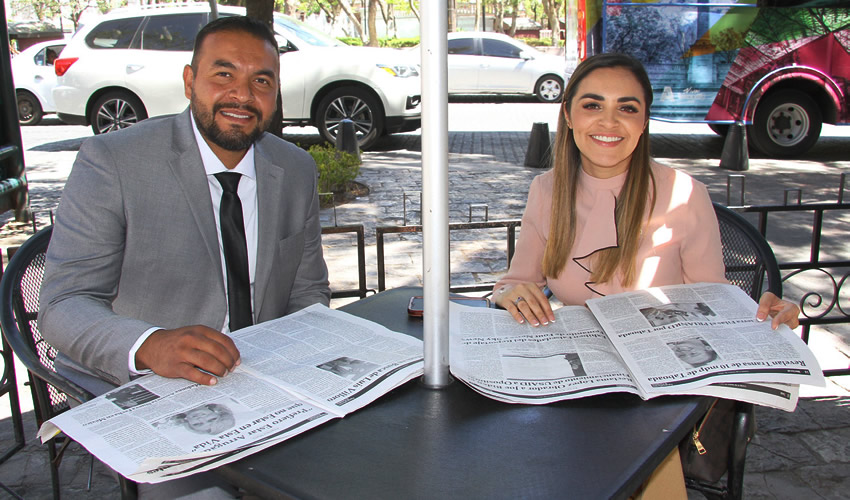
(38,78)
(132,68)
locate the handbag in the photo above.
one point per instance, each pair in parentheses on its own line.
(705,451)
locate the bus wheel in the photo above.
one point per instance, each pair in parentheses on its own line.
(787,123)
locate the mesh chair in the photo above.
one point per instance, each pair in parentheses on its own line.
(751,265)
(19,297)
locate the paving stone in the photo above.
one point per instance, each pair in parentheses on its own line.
(778,451)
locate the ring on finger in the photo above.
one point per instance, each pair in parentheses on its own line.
(518,300)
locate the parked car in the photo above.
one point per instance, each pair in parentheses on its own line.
(32,71)
(493,63)
(127,66)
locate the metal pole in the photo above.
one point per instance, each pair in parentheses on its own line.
(435,191)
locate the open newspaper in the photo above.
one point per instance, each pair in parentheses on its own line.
(700,339)
(297,372)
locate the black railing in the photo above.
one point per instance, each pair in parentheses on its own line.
(510,225)
(821,304)
(359,232)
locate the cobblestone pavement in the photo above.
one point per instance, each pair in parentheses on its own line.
(794,455)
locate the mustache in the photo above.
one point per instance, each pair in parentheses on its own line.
(232,105)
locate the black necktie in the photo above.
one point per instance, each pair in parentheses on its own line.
(235,252)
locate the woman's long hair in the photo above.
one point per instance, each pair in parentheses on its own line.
(631,203)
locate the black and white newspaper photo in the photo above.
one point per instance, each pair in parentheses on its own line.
(297,372)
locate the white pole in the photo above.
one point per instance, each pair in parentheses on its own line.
(435,191)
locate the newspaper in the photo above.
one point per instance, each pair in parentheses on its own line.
(681,339)
(297,372)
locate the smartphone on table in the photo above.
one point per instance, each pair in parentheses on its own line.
(417,304)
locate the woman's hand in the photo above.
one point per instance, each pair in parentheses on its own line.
(525,302)
(780,310)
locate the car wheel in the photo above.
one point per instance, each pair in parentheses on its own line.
(549,88)
(787,123)
(719,129)
(116,110)
(29,109)
(357,105)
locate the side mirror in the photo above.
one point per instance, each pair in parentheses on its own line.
(282,43)
(525,56)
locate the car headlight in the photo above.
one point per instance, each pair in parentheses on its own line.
(400,70)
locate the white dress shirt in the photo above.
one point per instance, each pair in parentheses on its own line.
(248,196)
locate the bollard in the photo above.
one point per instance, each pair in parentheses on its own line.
(537,154)
(346,138)
(734,155)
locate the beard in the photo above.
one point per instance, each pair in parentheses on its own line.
(230,140)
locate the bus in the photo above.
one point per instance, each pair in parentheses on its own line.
(780,67)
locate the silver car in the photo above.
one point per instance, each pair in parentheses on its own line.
(493,63)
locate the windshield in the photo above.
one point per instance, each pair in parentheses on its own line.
(296,30)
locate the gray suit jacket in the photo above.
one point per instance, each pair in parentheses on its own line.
(135,245)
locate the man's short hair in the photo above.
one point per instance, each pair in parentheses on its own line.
(241,24)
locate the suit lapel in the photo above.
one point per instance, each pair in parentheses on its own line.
(190,175)
(270,186)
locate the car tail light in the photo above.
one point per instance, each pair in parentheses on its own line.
(60,66)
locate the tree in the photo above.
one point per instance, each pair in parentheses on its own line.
(263,10)
(371,16)
(552,9)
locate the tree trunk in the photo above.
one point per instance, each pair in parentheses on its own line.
(413,9)
(346,7)
(263,10)
(514,13)
(372,16)
(551,9)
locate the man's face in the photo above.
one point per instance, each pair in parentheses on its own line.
(202,419)
(693,352)
(233,90)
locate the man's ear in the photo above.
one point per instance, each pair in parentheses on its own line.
(188,80)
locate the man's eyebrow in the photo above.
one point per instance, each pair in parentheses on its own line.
(266,72)
(224,64)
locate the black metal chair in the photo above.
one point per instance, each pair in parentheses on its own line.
(19,300)
(751,265)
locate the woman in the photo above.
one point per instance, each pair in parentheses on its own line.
(607,218)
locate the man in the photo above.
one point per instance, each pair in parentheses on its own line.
(138,272)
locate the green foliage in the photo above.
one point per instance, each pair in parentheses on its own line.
(351,40)
(336,168)
(536,42)
(394,43)
(399,43)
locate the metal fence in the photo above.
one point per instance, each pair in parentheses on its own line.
(824,278)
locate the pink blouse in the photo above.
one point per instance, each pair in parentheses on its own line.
(680,243)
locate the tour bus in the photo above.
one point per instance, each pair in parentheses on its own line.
(780,67)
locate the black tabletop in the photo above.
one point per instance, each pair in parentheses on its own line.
(454,443)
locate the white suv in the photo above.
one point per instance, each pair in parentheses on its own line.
(127,66)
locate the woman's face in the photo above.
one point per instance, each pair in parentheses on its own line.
(608,116)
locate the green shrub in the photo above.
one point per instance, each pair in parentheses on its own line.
(350,40)
(537,42)
(399,43)
(336,168)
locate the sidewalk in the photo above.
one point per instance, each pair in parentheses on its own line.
(799,455)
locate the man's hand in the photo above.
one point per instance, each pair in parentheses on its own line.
(184,352)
